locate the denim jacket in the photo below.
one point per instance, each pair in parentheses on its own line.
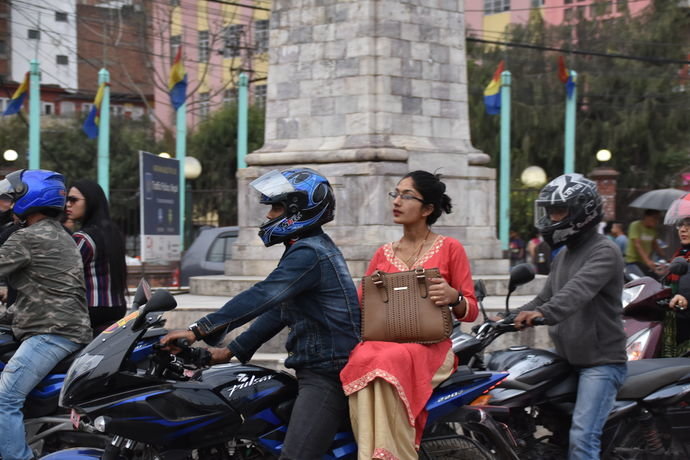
(312,293)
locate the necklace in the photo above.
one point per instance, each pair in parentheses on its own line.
(419,250)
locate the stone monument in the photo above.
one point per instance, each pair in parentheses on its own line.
(365,91)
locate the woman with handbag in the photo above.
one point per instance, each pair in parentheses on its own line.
(389,383)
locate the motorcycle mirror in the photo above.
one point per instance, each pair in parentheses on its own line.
(142,294)
(479,290)
(160,301)
(679,266)
(519,275)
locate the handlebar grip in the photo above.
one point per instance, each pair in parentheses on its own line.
(181,343)
(539,321)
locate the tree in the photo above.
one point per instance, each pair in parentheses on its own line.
(214,144)
(635,108)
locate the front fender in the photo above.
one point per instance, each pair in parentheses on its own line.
(78,453)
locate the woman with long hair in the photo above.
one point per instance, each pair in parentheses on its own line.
(102,249)
(388,383)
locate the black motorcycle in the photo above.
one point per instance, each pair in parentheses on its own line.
(650,418)
(156,405)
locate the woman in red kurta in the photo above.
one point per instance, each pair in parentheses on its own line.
(388,383)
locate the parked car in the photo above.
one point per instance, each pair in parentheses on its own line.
(208,253)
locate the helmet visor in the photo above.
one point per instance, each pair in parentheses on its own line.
(544,211)
(678,211)
(272,184)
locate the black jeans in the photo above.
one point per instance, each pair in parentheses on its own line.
(320,409)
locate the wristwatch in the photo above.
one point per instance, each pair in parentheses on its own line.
(195,330)
(457,302)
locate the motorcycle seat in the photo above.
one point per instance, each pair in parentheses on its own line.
(648,375)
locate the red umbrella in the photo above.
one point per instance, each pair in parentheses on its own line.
(679,210)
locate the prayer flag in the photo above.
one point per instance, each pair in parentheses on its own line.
(15,104)
(93,119)
(565,77)
(177,83)
(492,93)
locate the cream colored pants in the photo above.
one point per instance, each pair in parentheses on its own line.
(380,421)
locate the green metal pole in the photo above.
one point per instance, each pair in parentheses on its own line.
(504,183)
(242,114)
(180,153)
(34,115)
(104,134)
(570,106)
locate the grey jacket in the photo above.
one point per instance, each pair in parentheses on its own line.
(581,301)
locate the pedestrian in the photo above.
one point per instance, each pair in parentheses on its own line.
(642,243)
(581,303)
(50,317)
(619,236)
(102,248)
(311,292)
(516,247)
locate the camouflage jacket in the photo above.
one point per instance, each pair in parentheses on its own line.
(42,262)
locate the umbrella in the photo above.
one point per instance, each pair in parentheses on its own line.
(657,199)
(679,210)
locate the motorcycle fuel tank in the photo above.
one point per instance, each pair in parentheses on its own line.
(527,367)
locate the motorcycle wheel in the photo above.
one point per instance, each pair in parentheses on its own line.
(455,447)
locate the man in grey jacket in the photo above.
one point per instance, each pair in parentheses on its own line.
(581,302)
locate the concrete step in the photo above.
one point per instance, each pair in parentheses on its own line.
(230,286)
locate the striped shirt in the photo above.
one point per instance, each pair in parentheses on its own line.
(99,292)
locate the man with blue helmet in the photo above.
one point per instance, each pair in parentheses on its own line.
(311,292)
(49,317)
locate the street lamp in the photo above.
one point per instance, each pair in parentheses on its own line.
(533,177)
(10,155)
(603,155)
(192,171)
(164,155)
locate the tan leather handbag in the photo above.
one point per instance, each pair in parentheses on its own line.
(396,307)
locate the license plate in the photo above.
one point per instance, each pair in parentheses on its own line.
(74,418)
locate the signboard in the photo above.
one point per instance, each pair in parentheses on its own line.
(159,193)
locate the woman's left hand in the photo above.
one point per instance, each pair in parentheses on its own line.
(441,292)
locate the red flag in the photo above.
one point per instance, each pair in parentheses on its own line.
(563,73)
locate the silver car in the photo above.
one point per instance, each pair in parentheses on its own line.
(208,253)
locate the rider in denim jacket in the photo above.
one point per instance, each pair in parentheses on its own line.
(311,292)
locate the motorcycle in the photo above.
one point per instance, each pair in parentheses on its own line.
(47,426)
(645,302)
(156,405)
(650,418)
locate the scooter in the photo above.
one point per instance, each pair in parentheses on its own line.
(650,418)
(155,405)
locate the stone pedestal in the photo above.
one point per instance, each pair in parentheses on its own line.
(606,179)
(365,91)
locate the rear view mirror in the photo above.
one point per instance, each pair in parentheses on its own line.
(519,275)
(160,301)
(479,290)
(142,294)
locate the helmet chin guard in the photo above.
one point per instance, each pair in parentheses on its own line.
(574,196)
(306,197)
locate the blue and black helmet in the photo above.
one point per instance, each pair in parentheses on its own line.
(306,197)
(34,190)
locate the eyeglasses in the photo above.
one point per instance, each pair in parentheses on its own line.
(404,196)
(684,223)
(73,199)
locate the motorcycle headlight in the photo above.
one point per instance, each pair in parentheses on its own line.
(637,343)
(630,294)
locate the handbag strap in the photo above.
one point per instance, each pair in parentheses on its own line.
(377,279)
(420,274)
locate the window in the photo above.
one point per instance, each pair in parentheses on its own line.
(3,47)
(221,249)
(261,36)
(496,6)
(175,41)
(86,107)
(233,40)
(61,59)
(3,103)
(48,108)
(204,105)
(568,14)
(34,34)
(260,95)
(622,6)
(60,16)
(174,3)
(203,46)
(66,108)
